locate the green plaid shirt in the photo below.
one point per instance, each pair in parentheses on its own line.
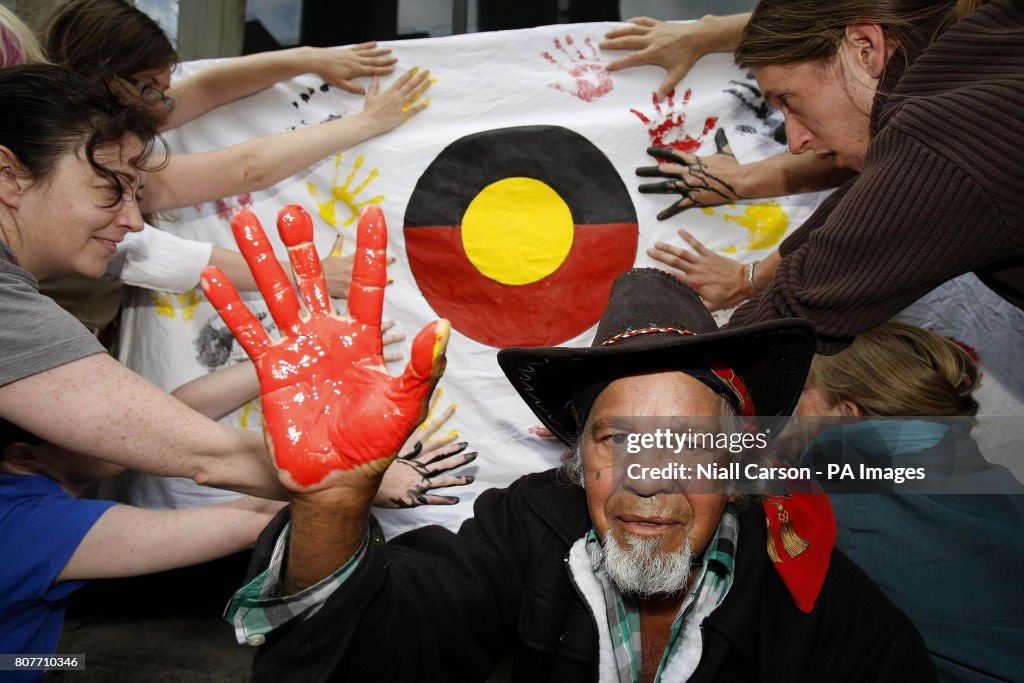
(712,583)
(258,607)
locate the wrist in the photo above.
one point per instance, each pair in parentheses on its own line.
(746,182)
(746,289)
(367,125)
(721,33)
(351,496)
(324,537)
(762,275)
(303,59)
(759,179)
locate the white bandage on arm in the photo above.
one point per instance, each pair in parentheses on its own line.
(156,259)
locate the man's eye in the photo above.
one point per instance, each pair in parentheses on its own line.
(618,438)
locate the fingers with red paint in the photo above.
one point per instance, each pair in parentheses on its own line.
(426,361)
(369,272)
(237,316)
(296,229)
(270,277)
(333,414)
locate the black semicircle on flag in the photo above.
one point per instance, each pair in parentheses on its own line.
(560,305)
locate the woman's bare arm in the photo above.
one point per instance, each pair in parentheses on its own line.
(190,179)
(99,407)
(129,541)
(232,79)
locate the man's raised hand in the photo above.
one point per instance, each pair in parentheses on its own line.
(332,412)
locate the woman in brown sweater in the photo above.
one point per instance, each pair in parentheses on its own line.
(926,109)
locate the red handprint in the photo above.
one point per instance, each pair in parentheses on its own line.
(591,79)
(667,127)
(226,207)
(329,403)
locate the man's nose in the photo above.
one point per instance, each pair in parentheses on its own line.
(797,135)
(649,475)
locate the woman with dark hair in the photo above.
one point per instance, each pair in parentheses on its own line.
(104,39)
(153,259)
(112,43)
(920,98)
(951,561)
(71,164)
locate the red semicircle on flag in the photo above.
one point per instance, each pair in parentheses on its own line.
(533,273)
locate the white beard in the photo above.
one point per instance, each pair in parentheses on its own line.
(642,569)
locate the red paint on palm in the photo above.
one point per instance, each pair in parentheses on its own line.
(329,402)
(666,125)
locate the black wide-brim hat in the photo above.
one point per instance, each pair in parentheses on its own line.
(654,322)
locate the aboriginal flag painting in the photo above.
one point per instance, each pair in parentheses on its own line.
(516,234)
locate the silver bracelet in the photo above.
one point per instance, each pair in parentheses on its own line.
(750,278)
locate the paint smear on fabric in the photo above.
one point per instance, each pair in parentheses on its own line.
(345,194)
(765,221)
(178,306)
(252,415)
(666,126)
(591,80)
(227,207)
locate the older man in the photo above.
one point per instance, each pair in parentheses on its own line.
(592,576)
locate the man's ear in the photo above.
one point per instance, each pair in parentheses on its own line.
(22,457)
(866,48)
(13,179)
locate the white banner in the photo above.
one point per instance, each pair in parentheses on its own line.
(489,86)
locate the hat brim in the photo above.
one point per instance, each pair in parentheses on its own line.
(772,358)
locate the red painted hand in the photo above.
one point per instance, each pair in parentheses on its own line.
(329,404)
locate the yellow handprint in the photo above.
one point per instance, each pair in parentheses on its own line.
(167,304)
(766,221)
(252,415)
(346,194)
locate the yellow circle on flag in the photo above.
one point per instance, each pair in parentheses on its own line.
(517,230)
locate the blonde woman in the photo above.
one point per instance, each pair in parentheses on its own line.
(17,44)
(951,562)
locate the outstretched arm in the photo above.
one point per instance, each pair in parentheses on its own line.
(232,79)
(674,46)
(423,465)
(99,407)
(129,541)
(190,179)
(719,178)
(334,417)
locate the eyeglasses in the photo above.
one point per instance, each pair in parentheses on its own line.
(150,94)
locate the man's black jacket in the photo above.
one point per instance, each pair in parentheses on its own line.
(432,605)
